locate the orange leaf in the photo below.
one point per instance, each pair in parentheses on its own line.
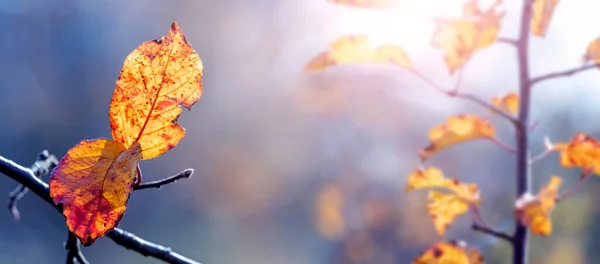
(542,11)
(453,252)
(443,207)
(592,52)
(509,102)
(534,212)
(366,3)
(329,218)
(582,151)
(156,78)
(457,129)
(459,38)
(93,182)
(356,49)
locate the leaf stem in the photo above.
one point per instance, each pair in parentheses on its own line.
(584,175)
(502,144)
(564,73)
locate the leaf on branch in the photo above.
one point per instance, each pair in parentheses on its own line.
(592,52)
(455,252)
(367,3)
(329,218)
(509,103)
(93,182)
(582,151)
(459,38)
(534,212)
(156,78)
(541,15)
(457,129)
(94,179)
(444,207)
(356,49)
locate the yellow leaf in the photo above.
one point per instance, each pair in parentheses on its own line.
(582,151)
(356,49)
(443,207)
(509,102)
(457,129)
(453,252)
(534,212)
(93,182)
(156,78)
(329,218)
(459,38)
(592,52)
(542,11)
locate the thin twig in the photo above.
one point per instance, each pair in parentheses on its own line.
(478,224)
(503,145)
(128,240)
(171,179)
(534,125)
(509,41)
(73,247)
(584,175)
(564,73)
(40,168)
(468,97)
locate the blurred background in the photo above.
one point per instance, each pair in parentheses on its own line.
(291,167)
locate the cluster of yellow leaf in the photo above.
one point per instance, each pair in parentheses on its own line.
(582,151)
(94,179)
(457,129)
(541,14)
(592,52)
(356,49)
(453,252)
(509,103)
(444,207)
(534,211)
(459,38)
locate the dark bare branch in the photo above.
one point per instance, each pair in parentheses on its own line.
(187,173)
(73,247)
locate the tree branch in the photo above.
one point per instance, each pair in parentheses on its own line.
(469,97)
(27,178)
(73,247)
(523,167)
(492,232)
(564,73)
(185,174)
(507,41)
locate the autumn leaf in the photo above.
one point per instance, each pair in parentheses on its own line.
(459,38)
(93,182)
(156,78)
(509,102)
(582,151)
(94,179)
(329,218)
(453,252)
(443,207)
(457,129)
(541,14)
(356,49)
(592,52)
(366,3)
(534,212)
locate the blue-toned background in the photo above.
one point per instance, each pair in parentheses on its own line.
(266,140)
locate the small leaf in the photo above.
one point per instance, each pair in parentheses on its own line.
(592,52)
(582,151)
(356,49)
(93,182)
(457,129)
(534,212)
(329,218)
(366,3)
(156,78)
(541,15)
(459,38)
(453,252)
(443,207)
(509,102)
